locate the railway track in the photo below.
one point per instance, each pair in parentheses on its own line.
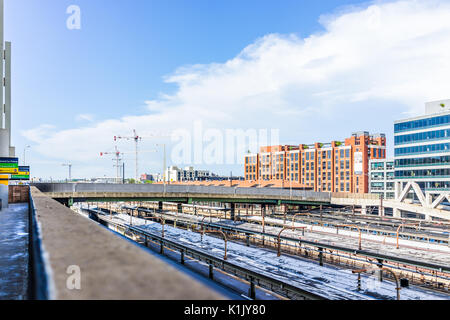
(339,296)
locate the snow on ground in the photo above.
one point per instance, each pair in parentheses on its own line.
(345,238)
(368,236)
(328,281)
(350,239)
(14,252)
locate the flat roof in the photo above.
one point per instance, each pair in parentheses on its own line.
(426,116)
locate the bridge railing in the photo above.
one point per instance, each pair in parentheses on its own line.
(188,189)
(367,196)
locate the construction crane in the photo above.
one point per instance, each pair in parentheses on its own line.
(136,139)
(117,154)
(70,169)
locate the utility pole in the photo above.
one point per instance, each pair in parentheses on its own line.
(25,149)
(70,169)
(164,162)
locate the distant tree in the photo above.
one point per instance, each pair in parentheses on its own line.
(131,181)
(442,105)
(148,181)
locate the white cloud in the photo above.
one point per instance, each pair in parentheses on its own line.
(365,68)
(39,134)
(85,117)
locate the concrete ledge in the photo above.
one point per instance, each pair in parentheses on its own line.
(111,267)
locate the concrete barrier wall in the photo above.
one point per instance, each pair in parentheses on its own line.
(109,266)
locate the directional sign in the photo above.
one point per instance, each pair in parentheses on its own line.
(9,165)
(4,179)
(23,174)
(9,170)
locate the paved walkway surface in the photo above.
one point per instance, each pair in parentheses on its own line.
(14,252)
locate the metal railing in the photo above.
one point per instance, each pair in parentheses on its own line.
(179,189)
(252,276)
(368,254)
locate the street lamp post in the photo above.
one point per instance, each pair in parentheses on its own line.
(164,162)
(25,149)
(70,169)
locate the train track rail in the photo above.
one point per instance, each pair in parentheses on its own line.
(254,278)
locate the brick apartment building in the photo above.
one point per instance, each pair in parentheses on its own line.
(331,167)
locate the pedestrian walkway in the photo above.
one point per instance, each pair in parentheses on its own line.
(14,252)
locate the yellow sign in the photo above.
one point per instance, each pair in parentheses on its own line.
(9,170)
(4,179)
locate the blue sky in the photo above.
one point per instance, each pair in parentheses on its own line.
(132,63)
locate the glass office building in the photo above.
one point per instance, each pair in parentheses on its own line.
(422,148)
(381,175)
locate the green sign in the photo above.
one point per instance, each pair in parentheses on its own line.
(23,174)
(9,165)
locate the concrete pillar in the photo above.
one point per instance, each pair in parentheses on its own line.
(4,152)
(8,90)
(232,211)
(1,64)
(4,143)
(380,265)
(4,192)
(263,214)
(396,213)
(252,292)
(321,257)
(211,272)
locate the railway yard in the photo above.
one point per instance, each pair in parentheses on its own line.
(275,253)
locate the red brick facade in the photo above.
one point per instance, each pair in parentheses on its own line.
(334,167)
